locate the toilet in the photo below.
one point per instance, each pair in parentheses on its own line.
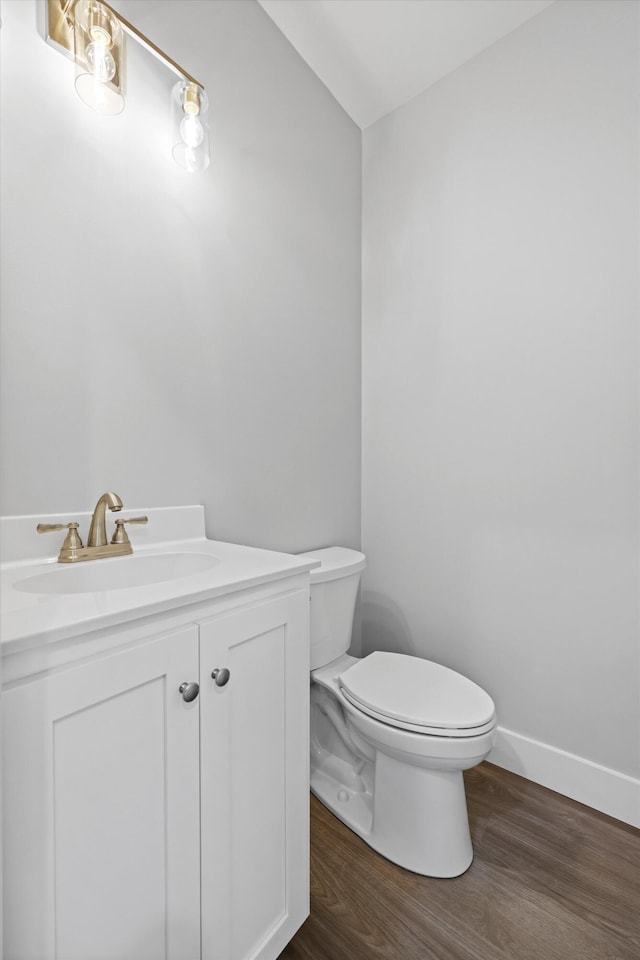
(390,734)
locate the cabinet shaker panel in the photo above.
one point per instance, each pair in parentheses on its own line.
(101,802)
(254,778)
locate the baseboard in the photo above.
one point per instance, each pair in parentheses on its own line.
(599,787)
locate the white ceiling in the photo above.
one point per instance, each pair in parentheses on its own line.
(374,55)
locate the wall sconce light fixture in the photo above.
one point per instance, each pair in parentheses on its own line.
(91,33)
(98,49)
(191,136)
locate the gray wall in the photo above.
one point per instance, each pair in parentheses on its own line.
(176,338)
(197,339)
(500,379)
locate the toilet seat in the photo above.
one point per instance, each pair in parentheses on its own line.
(413,694)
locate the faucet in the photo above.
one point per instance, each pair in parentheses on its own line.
(97,547)
(98,531)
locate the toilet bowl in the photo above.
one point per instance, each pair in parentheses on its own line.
(390,734)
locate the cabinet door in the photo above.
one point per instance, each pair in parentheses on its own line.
(255,779)
(101,809)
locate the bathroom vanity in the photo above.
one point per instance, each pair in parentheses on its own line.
(155,748)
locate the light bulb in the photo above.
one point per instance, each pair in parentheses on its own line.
(191,130)
(100,61)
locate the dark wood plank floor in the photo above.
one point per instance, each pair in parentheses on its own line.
(551,880)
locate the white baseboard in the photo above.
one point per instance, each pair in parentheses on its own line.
(599,787)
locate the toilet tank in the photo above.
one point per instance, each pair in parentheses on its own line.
(334,588)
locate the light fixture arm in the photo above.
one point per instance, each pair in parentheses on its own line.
(150,46)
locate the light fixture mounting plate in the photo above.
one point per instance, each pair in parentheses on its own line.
(61,26)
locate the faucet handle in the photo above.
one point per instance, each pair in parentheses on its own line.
(120,535)
(72,540)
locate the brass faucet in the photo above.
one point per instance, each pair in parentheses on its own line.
(97,531)
(97,547)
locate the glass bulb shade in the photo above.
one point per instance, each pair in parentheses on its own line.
(191,131)
(95,21)
(100,62)
(191,159)
(98,52)
(101,97)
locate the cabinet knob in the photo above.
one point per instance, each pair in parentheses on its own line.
(221,676)
(189,691)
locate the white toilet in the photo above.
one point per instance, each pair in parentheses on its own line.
(390,734)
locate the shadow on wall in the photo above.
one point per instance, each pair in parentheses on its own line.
(383,626)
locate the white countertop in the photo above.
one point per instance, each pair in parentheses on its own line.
(30,618)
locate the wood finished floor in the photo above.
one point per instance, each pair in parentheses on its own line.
(551,880)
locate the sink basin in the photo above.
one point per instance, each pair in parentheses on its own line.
(98,576)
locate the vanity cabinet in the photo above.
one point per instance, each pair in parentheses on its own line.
(140,825)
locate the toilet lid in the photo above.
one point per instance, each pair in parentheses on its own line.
(408,690)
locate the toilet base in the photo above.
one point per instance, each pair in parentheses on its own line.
(420,818)
(414,816)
